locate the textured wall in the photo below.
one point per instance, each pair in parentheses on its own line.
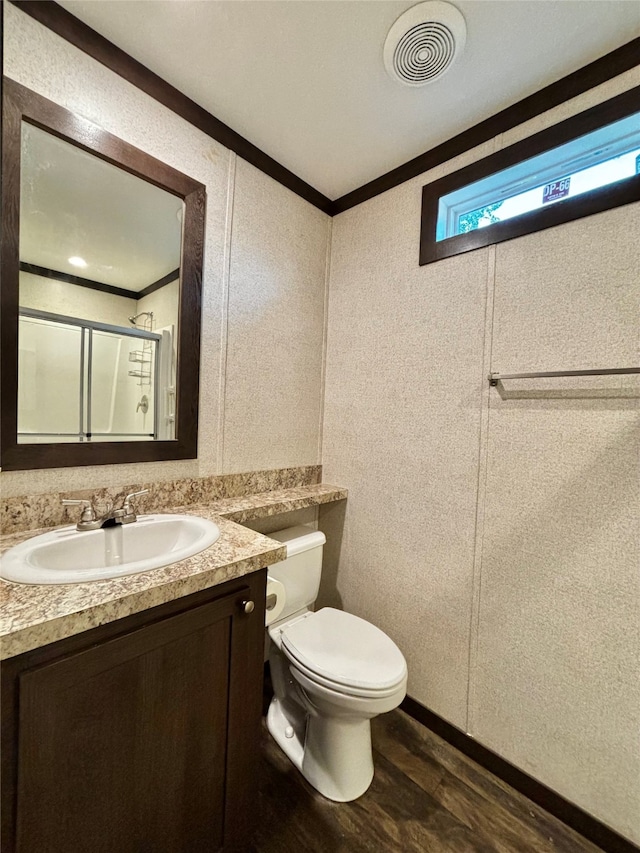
(60,297)
(275,340)
(555,684)
(42,61)
(402,412)
(495,540)
(165,304)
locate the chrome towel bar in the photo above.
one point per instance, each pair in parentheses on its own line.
(494,378)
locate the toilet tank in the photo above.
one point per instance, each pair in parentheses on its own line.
(300,572)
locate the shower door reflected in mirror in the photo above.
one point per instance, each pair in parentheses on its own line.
(75,381)
(99,295)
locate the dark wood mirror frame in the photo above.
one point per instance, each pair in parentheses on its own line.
(21,104)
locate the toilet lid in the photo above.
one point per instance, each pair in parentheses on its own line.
(345,649)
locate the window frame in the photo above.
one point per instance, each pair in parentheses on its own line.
(596,201)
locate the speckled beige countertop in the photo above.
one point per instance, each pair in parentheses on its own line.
(33,615)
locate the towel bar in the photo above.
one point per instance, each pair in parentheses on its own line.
(494,378)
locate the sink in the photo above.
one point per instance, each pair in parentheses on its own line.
(67,555)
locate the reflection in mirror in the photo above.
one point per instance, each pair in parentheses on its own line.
(99,295)
(102,255)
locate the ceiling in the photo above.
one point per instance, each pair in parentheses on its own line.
(304,80)
(73,204)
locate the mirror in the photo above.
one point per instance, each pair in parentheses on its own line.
(98,298)
(101,294)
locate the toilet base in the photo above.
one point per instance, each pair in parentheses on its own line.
(332,753)
(279,726)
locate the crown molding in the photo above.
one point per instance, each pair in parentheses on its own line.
(75,31)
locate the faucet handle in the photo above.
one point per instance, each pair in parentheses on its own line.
(88,512)
(126,505)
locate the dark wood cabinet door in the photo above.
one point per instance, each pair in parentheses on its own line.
(143,743)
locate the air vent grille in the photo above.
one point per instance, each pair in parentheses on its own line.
(424,52)
(424,42)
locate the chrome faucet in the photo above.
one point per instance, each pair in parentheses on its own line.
(89,520)
(125,515)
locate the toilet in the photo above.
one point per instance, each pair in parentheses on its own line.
(331,671)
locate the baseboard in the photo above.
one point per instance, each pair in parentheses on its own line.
(587,825)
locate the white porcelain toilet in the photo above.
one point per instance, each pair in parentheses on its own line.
(331,671)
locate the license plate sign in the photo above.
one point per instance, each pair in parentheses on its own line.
(556,190)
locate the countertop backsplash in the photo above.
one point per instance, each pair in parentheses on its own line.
(31,512)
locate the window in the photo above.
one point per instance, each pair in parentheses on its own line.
(584,165)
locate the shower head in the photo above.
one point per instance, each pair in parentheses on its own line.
(134,319)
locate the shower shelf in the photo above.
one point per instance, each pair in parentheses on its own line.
(140,374)
(140,356)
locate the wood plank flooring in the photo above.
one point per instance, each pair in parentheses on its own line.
(426,797)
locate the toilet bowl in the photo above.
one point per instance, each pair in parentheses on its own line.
(331,671)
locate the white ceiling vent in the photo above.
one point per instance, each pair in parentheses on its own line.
(424,42)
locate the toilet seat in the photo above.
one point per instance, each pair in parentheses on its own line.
(344,653)
(345,689)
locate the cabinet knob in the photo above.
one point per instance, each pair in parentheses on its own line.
(247,606)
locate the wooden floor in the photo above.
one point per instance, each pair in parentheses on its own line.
(426,797)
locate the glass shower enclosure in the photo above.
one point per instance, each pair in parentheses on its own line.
(81,380)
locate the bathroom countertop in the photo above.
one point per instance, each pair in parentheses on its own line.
(33,615)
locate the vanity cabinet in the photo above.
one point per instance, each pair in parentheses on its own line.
(140,735)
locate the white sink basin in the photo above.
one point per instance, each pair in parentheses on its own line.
(70,556)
